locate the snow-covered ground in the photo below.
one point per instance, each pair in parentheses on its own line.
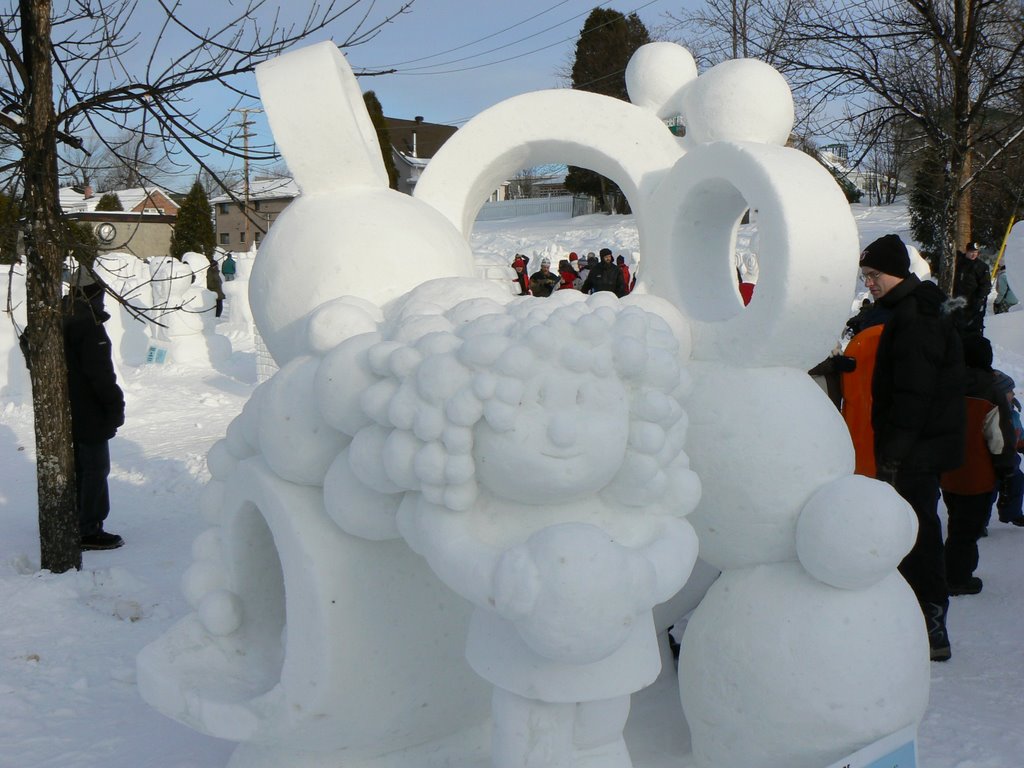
(68,643)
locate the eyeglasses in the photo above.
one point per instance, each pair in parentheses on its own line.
(870,277)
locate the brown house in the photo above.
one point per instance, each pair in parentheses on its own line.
(143,228)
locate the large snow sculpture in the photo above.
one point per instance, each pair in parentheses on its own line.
(534,457)
(532,452)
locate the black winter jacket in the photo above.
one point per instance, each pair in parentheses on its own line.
(918,411)
(605,276)
(97,403)
(973,281)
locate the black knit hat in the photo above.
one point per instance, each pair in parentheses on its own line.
(606,252)
(887,254)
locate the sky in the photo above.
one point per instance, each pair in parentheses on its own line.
(455,58)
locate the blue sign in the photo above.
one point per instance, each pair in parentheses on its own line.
(898,750)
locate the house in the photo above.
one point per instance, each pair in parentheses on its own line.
(143,228)
(413,143)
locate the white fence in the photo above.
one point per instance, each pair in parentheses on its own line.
(532,206)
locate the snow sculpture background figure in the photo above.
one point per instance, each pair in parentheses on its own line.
(533,455)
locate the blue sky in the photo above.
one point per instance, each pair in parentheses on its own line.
(455,58)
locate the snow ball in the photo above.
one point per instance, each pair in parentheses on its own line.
(682,490)
(221,612)
(235,438)
(577,359)
(500,416)
(473,309)
(333,322)
(433,494)
(376,400)
(429,423)
(509,391)
(485,384)
(539,339)
(739,100)
(488,325)
(294,439)
(207,545)
(399,456)
(344,374)
(663,370)
(460,498)
(464,409)
(379,354)
(646,437)
(630,357)
(417,326)
(854,532)
(655,76)
(403,361)
(201,578)
(590,328)
(211,502)
(517,361)
(653,405)
(439,377)
(219,460)
(437,344)
(459,469)
(483,350)
(430,463)
(403,406)
(457,439)
(364,456)
(355,507)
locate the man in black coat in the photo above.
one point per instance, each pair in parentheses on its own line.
(972,281)
(97,405)
(917,413)
(605,276)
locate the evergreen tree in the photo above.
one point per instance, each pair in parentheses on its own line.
(606,43)
(930,194)
(193,231)
(81,243)
(109,201)
(383,136)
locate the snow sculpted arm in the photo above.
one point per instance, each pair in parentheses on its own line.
(854,532)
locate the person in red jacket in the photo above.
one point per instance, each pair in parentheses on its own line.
(621,262)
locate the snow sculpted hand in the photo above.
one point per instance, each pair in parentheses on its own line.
(572,592)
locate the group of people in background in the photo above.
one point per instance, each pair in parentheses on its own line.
(943,421)
(596,272)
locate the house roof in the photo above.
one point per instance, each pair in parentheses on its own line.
(429,136)
(73,201)
(274,188)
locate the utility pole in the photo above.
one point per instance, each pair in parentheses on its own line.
(245,134)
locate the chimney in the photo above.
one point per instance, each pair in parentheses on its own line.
(87,191)
(418,120)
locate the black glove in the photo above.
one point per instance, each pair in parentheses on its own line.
(846,364)
(1005,491)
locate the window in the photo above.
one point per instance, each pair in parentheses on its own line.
(223,209)
(241,237)
(255,205)
(256,237)
(225,238)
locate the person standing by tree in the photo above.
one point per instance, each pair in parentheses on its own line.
(97,405)
(917,413)
(973,283)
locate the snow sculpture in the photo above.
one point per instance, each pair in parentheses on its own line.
(441,417)
(181,305)
(127,331)
(534,458)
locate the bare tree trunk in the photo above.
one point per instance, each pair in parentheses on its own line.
(965,208)
(55,472)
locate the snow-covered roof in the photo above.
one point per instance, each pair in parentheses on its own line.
(73,201)
(263,189)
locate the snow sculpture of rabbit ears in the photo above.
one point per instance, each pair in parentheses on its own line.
(350,232)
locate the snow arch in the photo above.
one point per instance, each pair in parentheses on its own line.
(802,216)
(627,144)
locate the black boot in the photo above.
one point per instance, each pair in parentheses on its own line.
(938,638)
